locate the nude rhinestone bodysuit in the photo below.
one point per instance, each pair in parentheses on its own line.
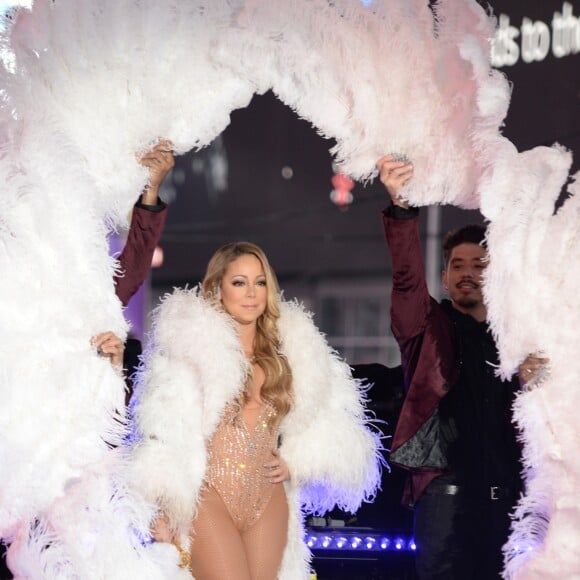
(236,459)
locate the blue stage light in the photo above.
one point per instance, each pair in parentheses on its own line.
(347,539)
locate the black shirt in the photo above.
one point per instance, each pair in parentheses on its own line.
(475,417)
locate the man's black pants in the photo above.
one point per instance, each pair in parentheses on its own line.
(460,536)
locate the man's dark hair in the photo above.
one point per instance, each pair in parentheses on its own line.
(471,234)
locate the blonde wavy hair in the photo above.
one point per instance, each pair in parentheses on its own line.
(277,387)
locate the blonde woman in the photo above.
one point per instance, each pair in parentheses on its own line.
(246,417)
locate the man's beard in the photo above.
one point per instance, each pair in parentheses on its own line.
(467,302)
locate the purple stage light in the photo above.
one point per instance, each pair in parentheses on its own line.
(385,543)
(352,540)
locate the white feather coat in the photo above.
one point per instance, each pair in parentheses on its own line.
(195,365)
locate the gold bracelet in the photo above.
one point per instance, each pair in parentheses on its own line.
(184,557)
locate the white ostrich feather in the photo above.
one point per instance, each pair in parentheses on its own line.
(393,76)
(534,271)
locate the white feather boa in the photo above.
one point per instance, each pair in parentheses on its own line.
(196,365)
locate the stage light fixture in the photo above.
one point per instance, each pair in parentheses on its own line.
(359,539)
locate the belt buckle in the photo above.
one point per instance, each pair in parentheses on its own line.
(493,492)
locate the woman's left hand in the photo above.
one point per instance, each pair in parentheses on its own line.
(277,470)
(110,345)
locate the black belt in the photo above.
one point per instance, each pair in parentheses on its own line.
(492,493)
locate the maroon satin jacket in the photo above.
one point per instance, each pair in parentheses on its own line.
(430,359)
(147,223)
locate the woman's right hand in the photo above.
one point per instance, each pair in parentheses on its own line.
(160,529)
